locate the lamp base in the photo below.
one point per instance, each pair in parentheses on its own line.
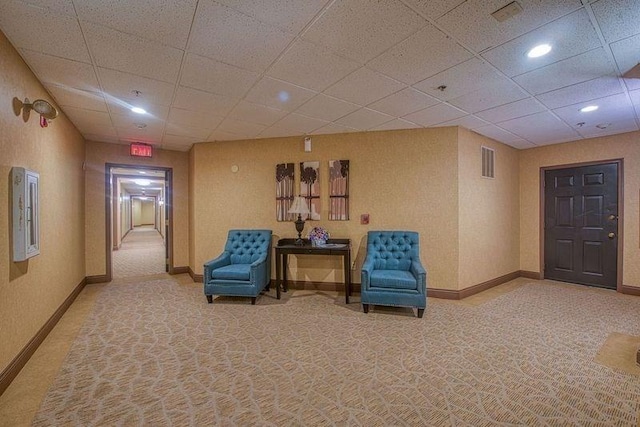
(299,227)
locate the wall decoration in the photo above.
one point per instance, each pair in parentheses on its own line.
(339,190)
(26,213)
(310,187)
(284,191)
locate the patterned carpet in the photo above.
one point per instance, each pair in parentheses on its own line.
(155,353)
(142,253)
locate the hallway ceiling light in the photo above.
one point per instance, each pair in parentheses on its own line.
(589,108)
(142,181)
(538,51)
(138,110)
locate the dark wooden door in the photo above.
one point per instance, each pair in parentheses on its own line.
(581,225)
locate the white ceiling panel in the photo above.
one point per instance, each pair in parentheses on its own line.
(364,119)
(193,99)
(396,124)
(492,95)
(473,25)
(276,131)
(196,119)
(238,127)
(422,55)
(139,135)
(364,86)
(289,15)
(568,36)
(70,97)
(123,86)
(301,124)
(278,94)
(179,143)
(132,54)
(43,30)
(627,55)
(93,129)
(183,131)
(111,139)
(59,6)
(580,68)
(217,77)
(467,77)
(468,122)
(88,118)
(434,115)
(334,127)
(154,112)
(311,66)
(360,30)
(494,132)
(240,40)
(326,108)
(611,108)
(574,94)
(163,21)
(520,144)
(433,9)
(521,108)
(404,102)
(62,72)
(137,123)
(218,135)
(608,128)
(255,113)
(540,128)
(617,18)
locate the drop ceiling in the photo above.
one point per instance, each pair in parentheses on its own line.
(209,70)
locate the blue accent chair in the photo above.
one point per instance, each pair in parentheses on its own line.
(392,273)
(243,269)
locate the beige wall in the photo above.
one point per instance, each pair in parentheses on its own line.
(623,146)
(97,155)
(147,215)
(489,226)
(403,179)
(31,291)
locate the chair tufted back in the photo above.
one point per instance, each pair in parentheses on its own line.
(246,246)
(393,250)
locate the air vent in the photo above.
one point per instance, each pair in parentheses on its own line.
(488,162)
(510,10)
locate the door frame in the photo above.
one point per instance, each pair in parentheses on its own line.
(108,210)
(620,163)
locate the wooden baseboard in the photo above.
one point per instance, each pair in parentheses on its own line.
(179,270)
(97,279)
(531,275)
(472,290)
(442,293)
(629,290)
(16,365)
(198,278)
(320,286)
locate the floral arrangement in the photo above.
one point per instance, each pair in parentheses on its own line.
(318,234)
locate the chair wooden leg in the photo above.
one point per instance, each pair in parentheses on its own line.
(253,300)
(365,308)
(210,299)
(420,312)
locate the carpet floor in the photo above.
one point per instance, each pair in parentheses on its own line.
(141,253)
(155,353)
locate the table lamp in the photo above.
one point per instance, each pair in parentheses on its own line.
(299,207)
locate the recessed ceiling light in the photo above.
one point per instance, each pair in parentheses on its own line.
(283,96)
(142,172)
(589,108)
(142,181)
(538,51)
(138,110)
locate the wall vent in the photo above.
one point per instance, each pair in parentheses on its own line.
(488,162)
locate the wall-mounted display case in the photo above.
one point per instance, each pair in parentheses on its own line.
(26,213)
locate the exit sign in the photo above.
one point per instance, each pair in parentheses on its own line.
(141,150)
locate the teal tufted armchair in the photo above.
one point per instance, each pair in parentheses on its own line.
(392,273)
(243,269)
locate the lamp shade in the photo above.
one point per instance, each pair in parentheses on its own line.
(299,206)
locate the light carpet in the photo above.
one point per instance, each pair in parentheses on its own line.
(141,253)
(155,353)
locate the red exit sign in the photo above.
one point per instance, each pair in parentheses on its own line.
(141,150)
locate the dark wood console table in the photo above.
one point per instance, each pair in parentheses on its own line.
(285,247)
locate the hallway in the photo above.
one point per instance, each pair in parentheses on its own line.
(142,253)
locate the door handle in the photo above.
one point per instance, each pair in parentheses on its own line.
(613,217)
(612,235)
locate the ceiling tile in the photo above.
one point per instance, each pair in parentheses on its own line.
(570,35)
(240,128)
(326,108)
(68,96)
(240,40)
(139,135)
(164,21)
(300,123)
(111,139)
(218,135)
(139,123)
(332,128)
(612,128)
(540,128)
(404,102)
(494,132)
(424,54)
(610,108)
(278,94)
(193,119)
(256,113)
(617,18)
(396,124)
(473,25)
(214,76)
(467,122)
(176,142)
(627,56)
(521,108)
(469,76)
(574,94)
(364,86)
(278,132)
(580,68)
(521,144)
(193,99)
(361,31)
(434,9)
(61,72)
(122,86)
(311,66)
(196,133)
(88,118)
(132,54)
(105,131)
(43,30)
(364,119)
(154,112)
(434,115)
(285,14)
(490,96)
(58,6)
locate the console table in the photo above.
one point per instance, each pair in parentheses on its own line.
(285,247)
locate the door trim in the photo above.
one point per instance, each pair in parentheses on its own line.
(620,163)
(168,173)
